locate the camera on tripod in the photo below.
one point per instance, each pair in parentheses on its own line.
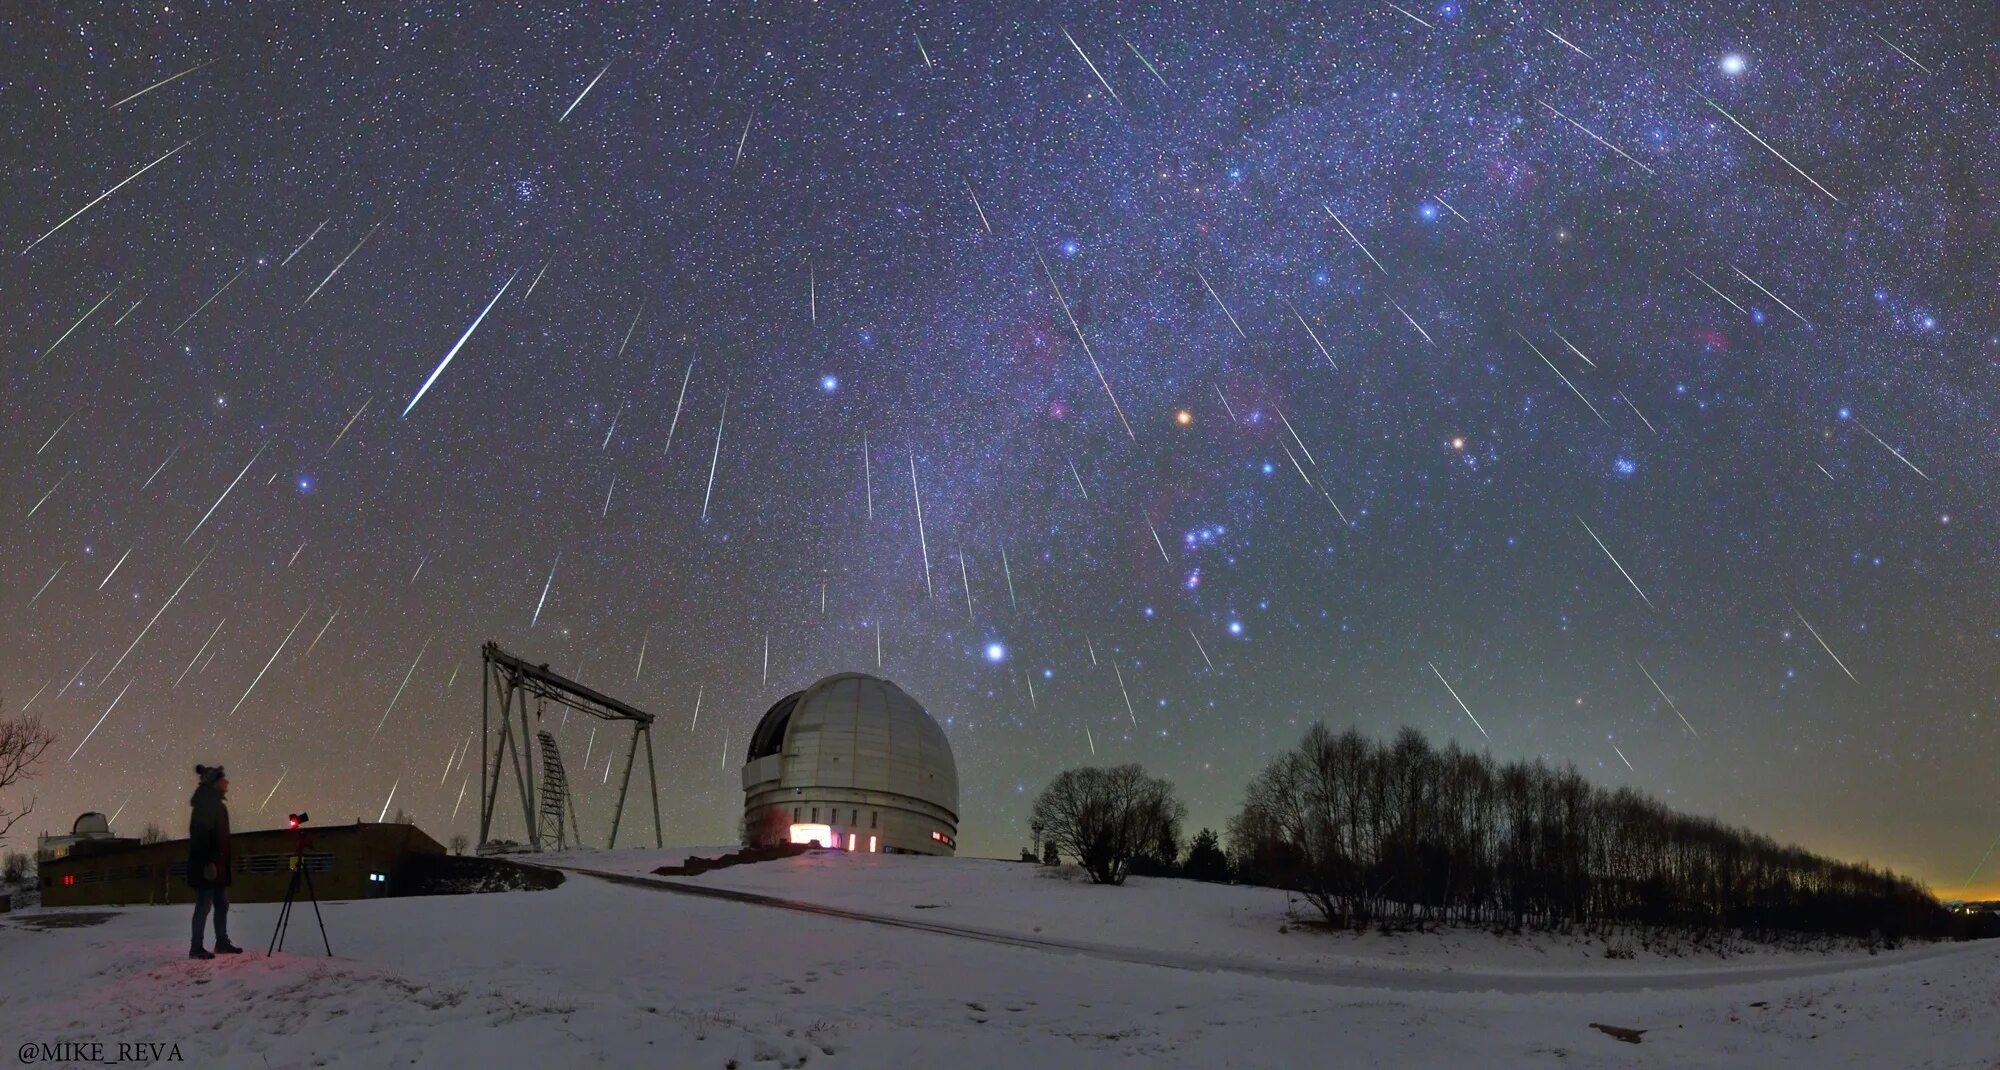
(301,876)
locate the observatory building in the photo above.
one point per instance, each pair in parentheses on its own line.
(854,764)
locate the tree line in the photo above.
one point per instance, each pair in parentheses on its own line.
(1402,833)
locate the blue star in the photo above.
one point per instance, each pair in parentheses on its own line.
(996,653)
(829,383)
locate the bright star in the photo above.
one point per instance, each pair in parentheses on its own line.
(829,383)
(1734,64)
(996,653)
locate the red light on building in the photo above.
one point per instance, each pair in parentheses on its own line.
(69,878)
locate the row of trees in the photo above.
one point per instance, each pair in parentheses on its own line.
(1402,833)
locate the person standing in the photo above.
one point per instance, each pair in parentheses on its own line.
(208,860)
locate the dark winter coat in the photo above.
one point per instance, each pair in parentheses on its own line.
(208,839)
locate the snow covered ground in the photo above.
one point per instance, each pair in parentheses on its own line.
(1156,973)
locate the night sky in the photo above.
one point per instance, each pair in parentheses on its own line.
(1256,364)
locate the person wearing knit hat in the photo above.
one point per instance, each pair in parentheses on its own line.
(208,860)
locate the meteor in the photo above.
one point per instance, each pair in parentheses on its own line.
(322,632)
(1822,644)
(94,202)
(1891,449)
(867,475)
(156,616)
(585,93)
(198,653)
(57,431)
(1566,43)
(1128,695)
(45,497)
(1716,292)
(1357,241)
(1572,348)
(1564,378)
(308,241)
(1449,208)
(538,278)
(199,66)
(1148,64)
(1622,758)
(1157,542)
(439,370)
(225,493)
(350,423)
(1769,294)
(922,542)
(1309,333)
(1009,573)
(100,720)
(1093,67)
(1067,314)
(50,351)
(716,456)
(399,689)
(385,802)
(742,141)
(677,402)
(46,582)
(1412,321)
(1614,562)
(545,590)
(643,640)
(114,568)
(1203,649)
(267,664)
(922,51)
(1906,56)
(965,581)
(1079,479)
(1773,151)
(1414,19)
(1669,698)
(129,309)
(698,689)
(614,427)
(1636,412)
(1219,304)
(1460,701)
(274,788)
(210,301)
(1593,136)
(342,264)
(161,468)
(977,207)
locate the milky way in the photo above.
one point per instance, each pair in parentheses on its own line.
(1633,371)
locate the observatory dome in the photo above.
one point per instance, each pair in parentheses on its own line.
(854,763)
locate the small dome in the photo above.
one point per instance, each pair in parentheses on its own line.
(90,824)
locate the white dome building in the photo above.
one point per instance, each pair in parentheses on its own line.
(854,764)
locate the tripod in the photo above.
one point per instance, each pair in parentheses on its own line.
(299,875)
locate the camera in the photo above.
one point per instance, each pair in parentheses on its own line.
(298,819)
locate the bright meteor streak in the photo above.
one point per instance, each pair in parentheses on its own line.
(199,66)
(107,193)
(585,93)
(1614,562)
(455,346)
(225,494)
(1460,701)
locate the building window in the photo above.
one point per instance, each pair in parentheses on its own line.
(854,817)
(815,815)
(874,816)
(795,813)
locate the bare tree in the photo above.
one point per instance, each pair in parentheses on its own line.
(152,834)
(1405,834)
(1104,818)
(459,842)
(23,740)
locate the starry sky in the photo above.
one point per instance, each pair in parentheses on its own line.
(1609,384)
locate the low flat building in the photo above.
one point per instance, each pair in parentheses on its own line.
(358,861)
